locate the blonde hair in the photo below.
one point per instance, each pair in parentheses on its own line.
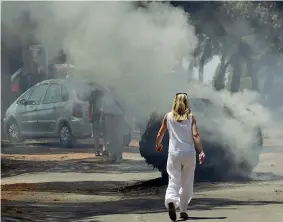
(181,108)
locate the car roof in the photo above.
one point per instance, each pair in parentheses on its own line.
(52,81)
(72,81)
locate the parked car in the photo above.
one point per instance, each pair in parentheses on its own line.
(222,157)
(56,108)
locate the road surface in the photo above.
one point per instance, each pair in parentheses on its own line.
(42,182)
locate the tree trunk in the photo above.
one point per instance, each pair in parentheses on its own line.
(5,82)
(254,75)
(190,71)
(236,78)
(219,81)
(269,79)
(200,72)
(255,81)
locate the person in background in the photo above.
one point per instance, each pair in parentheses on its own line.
(114,122)
(183,134)
(95,105)
(24,82)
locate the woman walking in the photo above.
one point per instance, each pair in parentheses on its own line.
(183,134)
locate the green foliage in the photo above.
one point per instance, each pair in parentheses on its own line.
(246,31)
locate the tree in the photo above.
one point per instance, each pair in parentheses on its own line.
(16,37)
(255,16)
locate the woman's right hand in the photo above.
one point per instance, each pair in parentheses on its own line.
(201,157)
(159,147)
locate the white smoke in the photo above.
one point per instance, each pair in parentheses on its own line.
(133,48)
(237,132)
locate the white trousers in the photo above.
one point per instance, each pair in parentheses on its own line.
(181,170)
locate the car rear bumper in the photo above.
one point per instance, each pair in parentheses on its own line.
(80,128)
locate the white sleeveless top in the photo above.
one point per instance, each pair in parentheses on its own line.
(180,135)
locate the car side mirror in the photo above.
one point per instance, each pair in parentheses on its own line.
(23,102)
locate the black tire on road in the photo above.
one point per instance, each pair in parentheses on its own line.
(67,140)
(165,177)
(13,132)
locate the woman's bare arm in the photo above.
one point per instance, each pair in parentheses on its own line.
(196,136)
(161,132)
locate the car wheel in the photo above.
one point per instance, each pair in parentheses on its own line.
(14,132)
(66,137)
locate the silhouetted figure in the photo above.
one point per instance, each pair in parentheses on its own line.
(95,105)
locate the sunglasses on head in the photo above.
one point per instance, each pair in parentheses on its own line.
(181,93)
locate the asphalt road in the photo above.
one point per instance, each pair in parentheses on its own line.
(43,182)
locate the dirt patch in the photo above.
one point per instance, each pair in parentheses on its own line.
(13,167)
(16,164)
(49,157)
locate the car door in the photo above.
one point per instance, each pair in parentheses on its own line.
(28,114)
(50,109)
(21,108)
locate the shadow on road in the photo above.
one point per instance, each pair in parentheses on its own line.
(137,205)
(106,188)
(10,167)
(38,147)
(203,218)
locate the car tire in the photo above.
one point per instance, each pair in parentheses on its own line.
(65,134)
(13,132)
(164,177)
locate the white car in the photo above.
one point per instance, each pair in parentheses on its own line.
(56,108)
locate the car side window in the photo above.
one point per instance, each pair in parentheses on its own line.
(53,94)
(25,95)
(37,94)
(65,94)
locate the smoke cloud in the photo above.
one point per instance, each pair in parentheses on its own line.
(238,132)
(134,49)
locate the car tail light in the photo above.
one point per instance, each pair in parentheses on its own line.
(16,87)
(77,110)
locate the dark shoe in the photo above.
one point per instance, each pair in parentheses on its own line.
(105,153)
(97,153)
(184,215)
(172,211)
(110,159)
(119,159)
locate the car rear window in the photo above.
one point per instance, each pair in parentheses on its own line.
(83,90)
